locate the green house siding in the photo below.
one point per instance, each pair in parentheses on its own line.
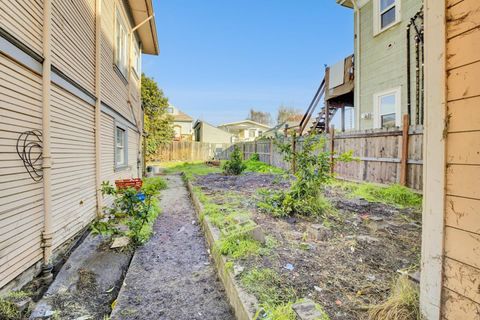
(383,60)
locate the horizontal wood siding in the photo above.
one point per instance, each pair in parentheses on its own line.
(24,20)
(114,86)
(73,170)
(73,40)
(462,217)
(108,171)
(21,199)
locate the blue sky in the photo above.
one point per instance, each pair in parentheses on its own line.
(220,58)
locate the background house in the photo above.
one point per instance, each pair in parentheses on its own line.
(245,130)
(70,83)
(387,55)
(182,124)
(205,132)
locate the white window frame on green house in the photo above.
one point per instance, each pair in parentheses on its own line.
(379,11)
(378,108)
(121,44)
(137,59)
(120,146)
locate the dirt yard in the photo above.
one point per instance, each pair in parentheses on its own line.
(344,264)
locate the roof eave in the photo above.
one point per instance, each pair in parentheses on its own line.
(345,3)
(142,10)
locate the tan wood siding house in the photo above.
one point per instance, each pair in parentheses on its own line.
(64,73)
(450,285)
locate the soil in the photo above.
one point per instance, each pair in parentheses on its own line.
(355,262)
(172,276)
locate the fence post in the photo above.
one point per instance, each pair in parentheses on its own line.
(294,153)
(270,149)
(332,149)
(404,159)
(244,152)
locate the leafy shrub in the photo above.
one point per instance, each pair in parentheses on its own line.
(255,157)
(312,173)
(235,165)
(129,208)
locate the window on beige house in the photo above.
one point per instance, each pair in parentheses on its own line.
(121,43)
(120,147)
(251,133)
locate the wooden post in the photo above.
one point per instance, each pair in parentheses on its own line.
(270,149)
(332,149)
(404,159)
(243,147)
(327,117)
(294,153)
(343,118)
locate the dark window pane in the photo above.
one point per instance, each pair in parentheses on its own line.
(384,4)
(388,120)
(388,18)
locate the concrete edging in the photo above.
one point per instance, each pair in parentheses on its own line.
(243,303)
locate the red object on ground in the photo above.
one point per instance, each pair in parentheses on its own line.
(129,183)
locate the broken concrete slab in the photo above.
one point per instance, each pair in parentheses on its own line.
(308,310)
(87,283)
(120,242)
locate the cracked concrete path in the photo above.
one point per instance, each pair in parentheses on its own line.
(171,276)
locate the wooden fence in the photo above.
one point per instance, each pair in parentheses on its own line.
(188,151)
(381,155)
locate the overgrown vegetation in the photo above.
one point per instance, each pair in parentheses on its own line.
(235,165)
(192,169)
(255,165)
(402,304)
(305,196)
(137,210)
(8,308)
(395,194)
(158,123)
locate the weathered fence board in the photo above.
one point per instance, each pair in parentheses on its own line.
(188,151)
(378,153)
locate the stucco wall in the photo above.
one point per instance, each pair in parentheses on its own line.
(383,59)
(211,134)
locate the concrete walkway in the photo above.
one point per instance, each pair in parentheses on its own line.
(171,277)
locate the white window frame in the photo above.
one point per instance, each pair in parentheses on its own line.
(121,46)
(377,16)
(117,149)
(137,59)
(377,116)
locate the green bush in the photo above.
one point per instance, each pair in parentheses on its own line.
(128,208)
(255,157)
(235,165)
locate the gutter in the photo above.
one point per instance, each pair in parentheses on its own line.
(98,104)
(357,65)
(47,233)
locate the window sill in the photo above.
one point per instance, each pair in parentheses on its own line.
(121,168)
(120,74)
(379,32)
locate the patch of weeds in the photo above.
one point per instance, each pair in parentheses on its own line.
(402,304)
(394,194)
(239,246)
(268,287)
(8,309)
(192,169)
(235,165)
(261,167)
(278,312)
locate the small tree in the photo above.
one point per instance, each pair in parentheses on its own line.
(235,165)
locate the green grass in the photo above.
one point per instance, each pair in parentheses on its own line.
(268,287)
(261,167)
(8,310)
(394,194)
(192,169)
(239,246)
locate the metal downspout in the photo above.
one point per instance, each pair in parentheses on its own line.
(47,233)
(357,66)
(98,104)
